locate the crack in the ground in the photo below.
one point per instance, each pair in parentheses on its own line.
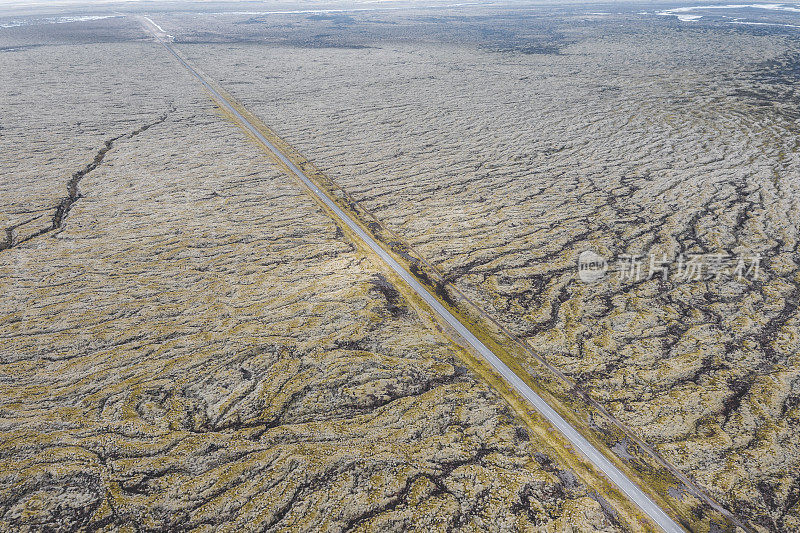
(62,209)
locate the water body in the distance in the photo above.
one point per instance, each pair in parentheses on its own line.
(12,23)
(772,14)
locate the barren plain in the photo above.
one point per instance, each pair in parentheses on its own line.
(501,159)
(189,342)
(196,345)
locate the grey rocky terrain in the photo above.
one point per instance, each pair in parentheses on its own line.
(195,345)
(500,159)
(189,342)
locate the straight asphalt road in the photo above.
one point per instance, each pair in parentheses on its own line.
(631,490)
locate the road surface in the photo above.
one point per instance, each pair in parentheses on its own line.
(631,490)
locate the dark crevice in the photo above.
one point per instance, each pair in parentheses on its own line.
(61,210)
(394,300)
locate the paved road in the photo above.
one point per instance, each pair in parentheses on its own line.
(631,490)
